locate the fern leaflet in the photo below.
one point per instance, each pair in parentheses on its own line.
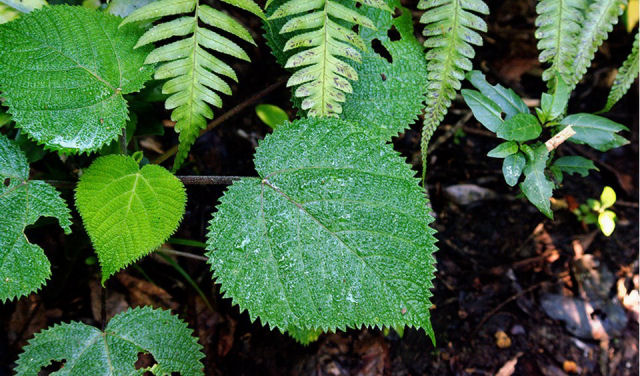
(193,72)
(627,73)
(558,26)
(599,21)
(323,75)
(451,30)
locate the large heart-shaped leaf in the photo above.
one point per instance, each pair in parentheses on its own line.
(333,234)
(64,71)
(127,211)
(23,266)
(85,350)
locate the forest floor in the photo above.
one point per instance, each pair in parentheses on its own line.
(504,270)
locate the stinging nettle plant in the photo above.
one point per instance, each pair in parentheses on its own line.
(334,232)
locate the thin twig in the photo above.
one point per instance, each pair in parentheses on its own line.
(208,180)
(182,254)
(450,132)
(510,299)
(185,179)
(232,112)
(103,307)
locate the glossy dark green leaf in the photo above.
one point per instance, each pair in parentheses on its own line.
(512,167)
(503,150)
(510,103)
(596,131)
(536,186)
(572,164)
(486,111)
(521,127)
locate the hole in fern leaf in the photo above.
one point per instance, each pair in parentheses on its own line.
(6,182)
(383,76)
(358,4)
(381,50)
(397,12)
(356,28)
(55,366)
(145,361)
(393,34)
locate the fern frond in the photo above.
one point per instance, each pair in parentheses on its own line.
(598,23)
(558,27)
(627,73)
(194,74)
(451,30)
(322,72)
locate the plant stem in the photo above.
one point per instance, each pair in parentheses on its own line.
(208,180)
(182,254)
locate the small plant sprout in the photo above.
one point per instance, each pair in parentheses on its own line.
(597,211)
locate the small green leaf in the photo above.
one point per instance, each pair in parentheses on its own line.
(512,167)
(86,350)
(573,164)
(503,150)
(521,127)
(510,103)
(334,233)
(595,131)
(555,105)
(608,197)
(80,66)
(23,266)
(128,212)
(271,115)
(536,186)
(484,109)
(607,222)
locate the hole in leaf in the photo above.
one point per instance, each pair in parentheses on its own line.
(55,366)
(356,28)
(393,34)
(6,182)
(145,361)
(383,76)
(358,4)
(381,50)
(397,12)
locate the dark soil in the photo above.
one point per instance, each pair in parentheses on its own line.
(498,257)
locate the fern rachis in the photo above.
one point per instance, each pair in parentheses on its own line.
(558,26)
(599,21)
(193,72)
(451,30)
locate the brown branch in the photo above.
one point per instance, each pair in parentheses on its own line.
(185,179)
(208,180)
(222,118)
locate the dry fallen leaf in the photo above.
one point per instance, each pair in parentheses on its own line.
(502,339)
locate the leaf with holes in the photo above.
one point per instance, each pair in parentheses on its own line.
(86,350)
(128,211)
(23,266)
(392,74)
(77,67)
(333,234)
